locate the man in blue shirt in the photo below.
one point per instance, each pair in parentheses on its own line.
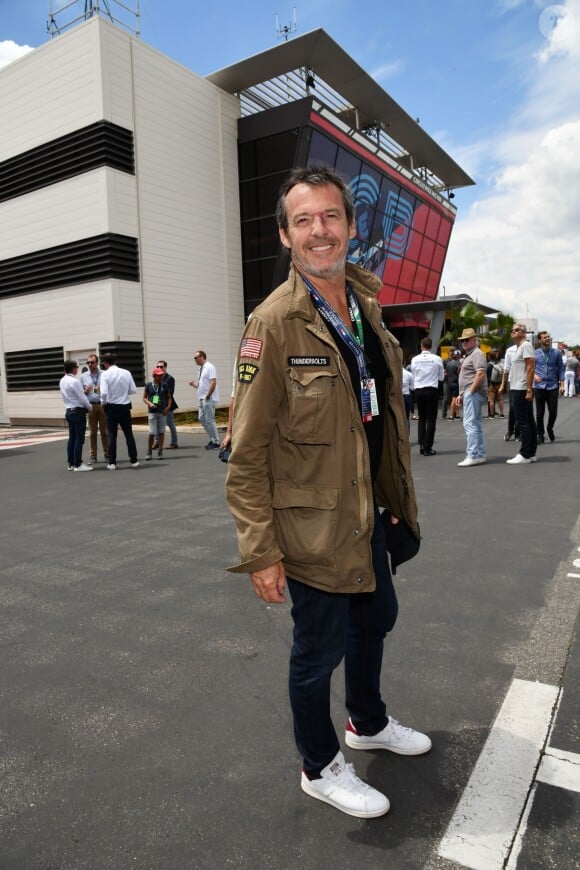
(548,382)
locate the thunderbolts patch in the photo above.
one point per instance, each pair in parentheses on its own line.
(247,372)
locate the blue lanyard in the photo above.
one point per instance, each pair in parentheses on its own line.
(331,316)
(356,346)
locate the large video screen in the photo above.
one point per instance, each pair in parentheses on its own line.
(401,236)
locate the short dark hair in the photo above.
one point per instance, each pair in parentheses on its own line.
(109,358)
(541,333)
(70,365)
(427,342)
(161,362)
(315,175)
(201,353)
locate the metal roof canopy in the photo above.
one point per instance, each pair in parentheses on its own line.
(425,310)
(373,107)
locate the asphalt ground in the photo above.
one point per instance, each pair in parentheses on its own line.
(144,718)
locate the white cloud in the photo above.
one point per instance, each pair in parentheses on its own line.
(517,247)
(10,51)
(387,71)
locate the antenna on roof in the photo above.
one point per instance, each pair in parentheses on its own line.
(282,32)
(127,17)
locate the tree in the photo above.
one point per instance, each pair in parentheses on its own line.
(470,315)
(499,331)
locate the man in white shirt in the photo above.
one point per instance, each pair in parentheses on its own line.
(116,386)
(521,378)
(428,372)
(77,405)
(208,397)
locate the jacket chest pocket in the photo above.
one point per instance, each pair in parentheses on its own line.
(312,406)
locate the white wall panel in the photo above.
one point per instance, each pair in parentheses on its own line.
(187,180)
(75,316)
(53,90)
(100,201)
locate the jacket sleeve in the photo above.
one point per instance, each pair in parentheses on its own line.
(259,393)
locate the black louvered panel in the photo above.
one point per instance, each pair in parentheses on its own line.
(108,255)
(130,355)
(34,369)
(99,144)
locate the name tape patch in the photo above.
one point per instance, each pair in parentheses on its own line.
(247,372)
(308,360)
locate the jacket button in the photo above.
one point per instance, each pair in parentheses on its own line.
(360,580)
(353,482)
(355,532)
(352,428)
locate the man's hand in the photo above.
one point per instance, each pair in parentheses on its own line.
(270,583)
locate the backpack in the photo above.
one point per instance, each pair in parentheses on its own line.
(496,373)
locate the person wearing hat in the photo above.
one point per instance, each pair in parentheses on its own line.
(472,395)
(158,400)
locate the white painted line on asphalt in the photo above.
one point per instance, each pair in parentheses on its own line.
(519,840)
(487,816)
(576,563)
(561,769)
(573,575)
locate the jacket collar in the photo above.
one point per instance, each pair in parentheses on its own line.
(365,284)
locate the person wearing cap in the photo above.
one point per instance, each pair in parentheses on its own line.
(472,396)
(157,397)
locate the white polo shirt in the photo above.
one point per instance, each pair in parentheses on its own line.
(207,374)
(427,369)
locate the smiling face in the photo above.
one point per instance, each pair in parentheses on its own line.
(318,231)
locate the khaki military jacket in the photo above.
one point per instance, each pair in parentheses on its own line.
(299,479)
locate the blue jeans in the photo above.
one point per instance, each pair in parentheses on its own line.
(120,415)
(524,414)
(77,424)
(327,628)
(473,424)
(207,419)
(172,427)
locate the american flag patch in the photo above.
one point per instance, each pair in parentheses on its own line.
(251,347)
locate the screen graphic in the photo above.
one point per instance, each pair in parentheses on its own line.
(400,236)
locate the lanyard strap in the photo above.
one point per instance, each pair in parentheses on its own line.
(331,316)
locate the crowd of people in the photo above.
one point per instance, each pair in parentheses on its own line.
(470,381)
(101,398)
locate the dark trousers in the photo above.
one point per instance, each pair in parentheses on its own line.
(77,424)
(546,398)
(524,411)
(120,415)
(327,628)
(408,400)
(427,400)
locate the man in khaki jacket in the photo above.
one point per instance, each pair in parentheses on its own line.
(319,444)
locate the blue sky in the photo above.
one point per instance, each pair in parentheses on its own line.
(495,82)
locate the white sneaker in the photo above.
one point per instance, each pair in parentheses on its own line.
(134,465)
(481,460)
(111,467)
(394,737)
(340,787)
(533,458)
(518,460)
(469,460)
(83,467)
